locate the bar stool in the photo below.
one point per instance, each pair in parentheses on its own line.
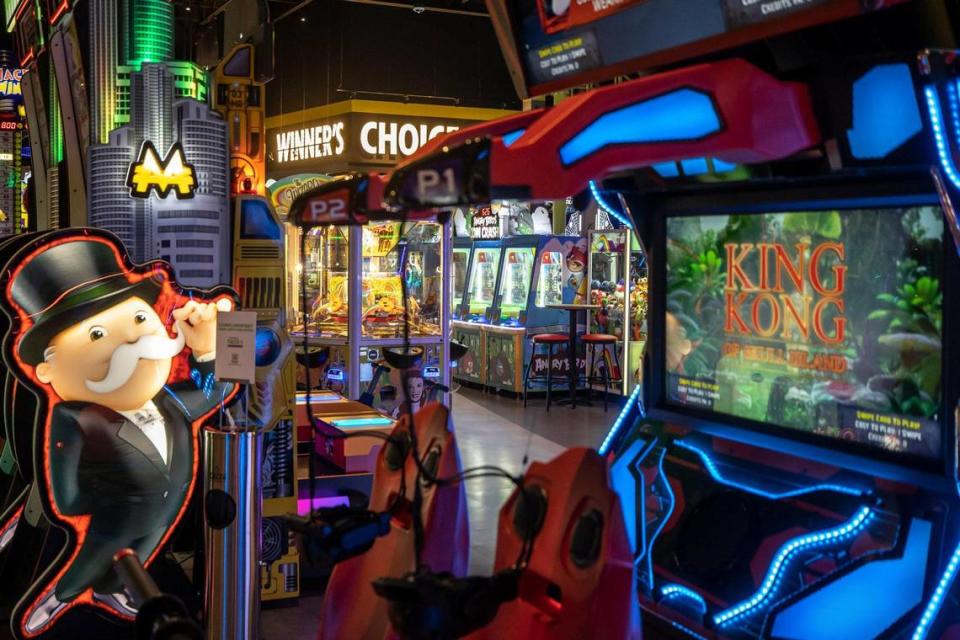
(549,339)
(592,342)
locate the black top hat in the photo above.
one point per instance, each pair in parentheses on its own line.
(68,282)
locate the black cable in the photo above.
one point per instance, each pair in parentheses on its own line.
(417,516)
(305,311)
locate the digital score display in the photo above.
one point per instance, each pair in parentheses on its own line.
(825,322)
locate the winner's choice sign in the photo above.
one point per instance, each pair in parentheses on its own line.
(745,12)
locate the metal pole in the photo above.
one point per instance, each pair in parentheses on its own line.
(447,256)
(232,509)
(354,309)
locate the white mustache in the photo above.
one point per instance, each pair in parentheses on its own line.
(126,357)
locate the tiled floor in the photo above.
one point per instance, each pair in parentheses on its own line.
(490,430)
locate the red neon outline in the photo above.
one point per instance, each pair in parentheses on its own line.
(20,10)
(78,525)
(28,58)
(60,11)
(11,521)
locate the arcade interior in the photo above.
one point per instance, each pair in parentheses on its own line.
(486,319)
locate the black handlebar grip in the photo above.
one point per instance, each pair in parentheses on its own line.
(135,578)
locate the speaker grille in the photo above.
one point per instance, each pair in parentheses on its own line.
(259,293)
(259,253)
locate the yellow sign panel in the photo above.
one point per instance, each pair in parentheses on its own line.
(173,173)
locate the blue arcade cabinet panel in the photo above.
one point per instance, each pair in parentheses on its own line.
(748,543)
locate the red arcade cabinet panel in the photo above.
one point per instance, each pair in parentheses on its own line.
(579,581)
(351,609)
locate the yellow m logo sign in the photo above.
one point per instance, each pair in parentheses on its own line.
(173,173)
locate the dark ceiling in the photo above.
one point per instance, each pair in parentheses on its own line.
(202,10)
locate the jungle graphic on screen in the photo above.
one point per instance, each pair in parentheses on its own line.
(828,322)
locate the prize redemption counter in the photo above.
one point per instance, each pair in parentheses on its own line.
(342,264)
(792,452)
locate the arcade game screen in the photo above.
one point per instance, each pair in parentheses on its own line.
(826,322)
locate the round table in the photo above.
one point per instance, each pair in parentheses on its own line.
(573,309)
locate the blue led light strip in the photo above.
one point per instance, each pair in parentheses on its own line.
(954,108)
(788,552)
(932,609)
(618,423)
(606,207)
(671,591)
(936,119)
(689,632)
(666,518)
(715,473)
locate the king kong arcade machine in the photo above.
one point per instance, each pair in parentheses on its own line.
(788,468)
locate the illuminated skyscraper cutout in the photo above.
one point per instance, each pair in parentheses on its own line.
(103,69)
(147,31)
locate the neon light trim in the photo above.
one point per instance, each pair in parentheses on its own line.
(361,422)
(59,11)
(318,396)
(628,481)
(788,552)
(510,138)
(862,595)
(618,423)
(683,114)
(721,166)
(932,610)
(606,207)
(694,166)
(715,473)
(672,591)
(666,518)
(689,632)
(885,111)
(946,160)
(666,169)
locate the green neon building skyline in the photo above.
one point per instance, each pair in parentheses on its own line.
(147,31)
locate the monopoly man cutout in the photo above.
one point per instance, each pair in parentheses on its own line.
(115,450)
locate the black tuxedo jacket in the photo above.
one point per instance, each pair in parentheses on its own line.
(102,464)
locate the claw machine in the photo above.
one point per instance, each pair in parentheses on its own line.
(536,271)
(616,274)
(474,314)
(344,264)
(459,270)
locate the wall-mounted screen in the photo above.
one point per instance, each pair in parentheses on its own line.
(559,43)
(824,322)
